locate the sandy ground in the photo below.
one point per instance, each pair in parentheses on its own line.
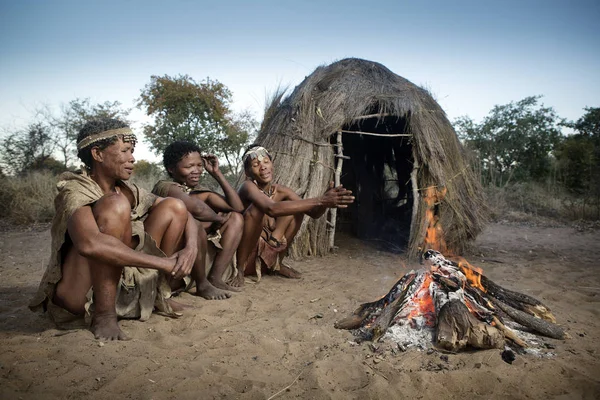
(267,338)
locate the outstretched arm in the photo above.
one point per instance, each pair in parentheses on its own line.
(334,198)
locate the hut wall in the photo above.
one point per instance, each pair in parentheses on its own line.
(297,131)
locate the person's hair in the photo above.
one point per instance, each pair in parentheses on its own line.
(176,151)
(93,127)
(248,161)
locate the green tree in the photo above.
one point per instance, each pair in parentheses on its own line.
(238,133)
(22,149)
(147,169)
(50,164)
(199,112)
(579,155)
(514,142)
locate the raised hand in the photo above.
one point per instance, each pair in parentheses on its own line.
(211,164)
(337,197)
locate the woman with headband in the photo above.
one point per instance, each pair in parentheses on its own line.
(273,216)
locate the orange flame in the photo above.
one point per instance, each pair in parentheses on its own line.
(472,273)
(422,303)
(434,238)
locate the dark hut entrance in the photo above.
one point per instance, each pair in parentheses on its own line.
(379,174)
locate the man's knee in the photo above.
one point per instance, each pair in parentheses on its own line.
(113,208)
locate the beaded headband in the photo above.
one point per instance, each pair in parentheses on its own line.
(127,133)
(257,152)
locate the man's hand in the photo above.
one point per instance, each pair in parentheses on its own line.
(184,261)
(222,220)
(211,164)
(337,197)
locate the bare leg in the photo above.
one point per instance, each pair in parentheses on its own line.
(112,213)
(204,288)
(231,235)
(166,224)
(289,228)
(253,219)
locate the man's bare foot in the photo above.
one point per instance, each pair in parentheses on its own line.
(176,306)
(106,327)
(222,285)
(209,292)
(238,280)
(289,272)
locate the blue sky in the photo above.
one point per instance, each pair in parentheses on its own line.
(472,55)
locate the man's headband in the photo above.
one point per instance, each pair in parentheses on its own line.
(256,153)
(128,137)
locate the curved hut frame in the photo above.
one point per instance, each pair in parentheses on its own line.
(388,140)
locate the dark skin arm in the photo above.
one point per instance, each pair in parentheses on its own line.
(231,201)
(90,242)
(197,208)
(292,204)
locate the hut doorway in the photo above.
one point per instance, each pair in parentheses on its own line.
(378,172)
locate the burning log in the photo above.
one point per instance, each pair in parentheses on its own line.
(457,328)
(370,311)
(537,324)
(517,300)
(463,306)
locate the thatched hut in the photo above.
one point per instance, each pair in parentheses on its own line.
(396,142)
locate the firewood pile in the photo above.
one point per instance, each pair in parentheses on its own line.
(465,309)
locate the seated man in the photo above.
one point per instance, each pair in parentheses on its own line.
(184,164)
(113,243)
(273,216)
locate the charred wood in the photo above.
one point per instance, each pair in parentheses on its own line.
(517,300)
(370,311)
(539,325)
(458,329)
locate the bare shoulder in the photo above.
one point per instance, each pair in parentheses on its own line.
(282,192)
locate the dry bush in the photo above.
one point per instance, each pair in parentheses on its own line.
(28,199)
(147,181)
(534,203)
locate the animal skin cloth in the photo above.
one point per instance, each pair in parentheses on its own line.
(214,238)
(140,289)
(265,256)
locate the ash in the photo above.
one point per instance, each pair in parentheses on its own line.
(404,334)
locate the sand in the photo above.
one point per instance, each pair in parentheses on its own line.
(279,333)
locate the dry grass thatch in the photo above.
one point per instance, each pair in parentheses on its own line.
(299,127)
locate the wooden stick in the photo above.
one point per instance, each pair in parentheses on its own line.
(290,385)
(508,332)
(372,116)
(337,178)
(415,190)
(379,134)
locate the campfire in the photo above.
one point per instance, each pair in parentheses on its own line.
(452,300)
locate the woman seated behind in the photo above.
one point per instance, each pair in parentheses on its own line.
(218,216)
